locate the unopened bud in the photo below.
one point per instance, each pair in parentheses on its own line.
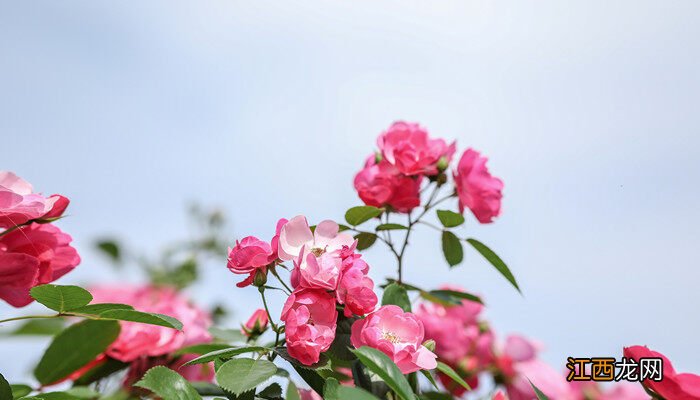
(260,278)
(443,163)
(429,344)
(378,157)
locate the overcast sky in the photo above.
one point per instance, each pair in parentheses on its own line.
(588,110)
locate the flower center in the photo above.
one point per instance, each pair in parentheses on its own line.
(390,336)
(317,251)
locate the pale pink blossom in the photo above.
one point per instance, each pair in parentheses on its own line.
(624,391)
(33,255)
(397,334)
(310,320)
(383,185)
(477,189)
(138,340)
(408,147)
(18,203)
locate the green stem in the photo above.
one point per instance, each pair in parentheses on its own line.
(30,317)
(274,272)
(267,310)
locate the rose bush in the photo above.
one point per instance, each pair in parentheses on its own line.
(338,335)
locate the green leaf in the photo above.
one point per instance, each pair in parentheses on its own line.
(311,377)
(101,371)
(365,240)
(227,335)
(330,389)
(435,396)
(340,348)
(143,317)
(447,370)
(450,219)
(243,374)
(397,295)
(40,327)
(342,227)
(111,249)
(20,391)
(390,227)
(5,389)
(495,260)
(540,395)
(292,392)
(61,298)
(452,248)
(274,391)
(167,384)
(454,297)
(357,215)
(53,396)
(225,353)
(347,392)
(83,392)
(203,348)
(430,378)
(382,366)
(75,347)
(99,308)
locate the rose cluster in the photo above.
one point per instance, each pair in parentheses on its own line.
(393,176)
(33,251)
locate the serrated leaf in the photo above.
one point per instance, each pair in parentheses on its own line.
(168,384)
(357,215)
(390,227)
(495,260)
(74,348)
(450,219)
(387,370)
(98,308)
(452,248)
(143,317)
(243,374)
(274,391)
(447,370)
(330,389)
(202,348)
(540,395)
(397,295)
(365,240)
(292,392)
(61,298)
(225,353)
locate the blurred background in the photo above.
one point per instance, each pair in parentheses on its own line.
(588,110)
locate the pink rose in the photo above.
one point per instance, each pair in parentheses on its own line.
(18,204)
(476,188)
(256,324)
(408,147)
(624,391)
(381,184)
(249,255)
(308,394)
(356,289)
(141,340)
(33,255)
(316,255)
(397,334)
(310,320)
(673,385)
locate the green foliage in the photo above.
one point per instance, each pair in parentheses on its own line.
(110,248)
(75,347)
(143,317)
(365,240)
(272,392)
(292,392)
(357,215)
(397,295)
(495,260)
(40,327)
(20,391)
(452,248)
(447,370)
(390,227)
(449,297)
(282,352)
(450,219)
(340,348)
(5,389)
(168,384)
(380,364)
(225,353)
(99,308)
(540,395)
(61,298)
(243,374)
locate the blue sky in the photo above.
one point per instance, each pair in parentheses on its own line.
(587,110)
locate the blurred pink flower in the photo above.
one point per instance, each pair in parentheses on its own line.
(408,147)
(477,189)
(381,184)
(624,391)
(249,255)
(256,324)
(33,255)
(308,394)
(673,385)
(310,320)
(138,340)
(397,334)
